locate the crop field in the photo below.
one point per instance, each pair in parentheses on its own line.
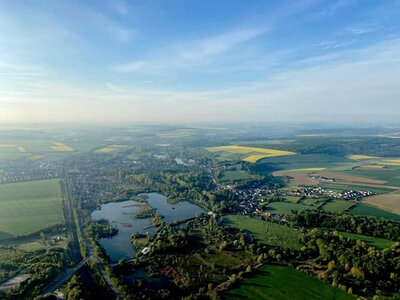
(111,148)
(27,207)
(266,232)
(304,161)
(297,178)
(390,176)
(377,243)
(287,207)
(337,205)
(389,202)
(249,154)
(274,282)
(361,157)
(57,146)
(368,210)
(178,133)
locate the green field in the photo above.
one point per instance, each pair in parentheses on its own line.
(337,205)
(27,207)
(370,241)
(236,176)
(368,210)
(266,232)
(338,187)
(286,207)
(273,282)
(302,161)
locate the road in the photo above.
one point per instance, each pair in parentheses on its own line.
(69,217)
(72,228)
(61,279)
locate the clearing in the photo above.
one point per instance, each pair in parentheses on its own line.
(377,243)
(264,231)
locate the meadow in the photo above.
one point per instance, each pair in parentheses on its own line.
(264,231)
(27,207)
(337,205)
(368,210)
(287,207)
(377,243)
(236,176)
(249,154)
(275,282)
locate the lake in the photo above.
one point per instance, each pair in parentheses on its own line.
(119,246)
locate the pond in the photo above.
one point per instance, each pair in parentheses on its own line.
(119,213)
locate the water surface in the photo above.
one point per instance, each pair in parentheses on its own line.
(119,246)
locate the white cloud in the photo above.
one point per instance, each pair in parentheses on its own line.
(201,49)
(192,53)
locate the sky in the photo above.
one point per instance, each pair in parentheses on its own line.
(199,61)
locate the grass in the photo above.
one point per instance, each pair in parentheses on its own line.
(361,157)
(337,205)
(27,207)
(274,282)
(266,232)
(368,210)
(236,176)
(249,154)
(377,243)
(178,133)
(315,169)
(285,207)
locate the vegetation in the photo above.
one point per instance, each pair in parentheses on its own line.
(377,243)
(28,207)
(249,154)
(266,232)
(368,210)
(282,282)
(41,265)
(369,226)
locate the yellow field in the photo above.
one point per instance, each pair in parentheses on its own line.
(252,154)
(61,147)
(7,145)
(35,157)
(361,157)
(374,166)
(111,148)
(106,150)
(21,149)
(391,162)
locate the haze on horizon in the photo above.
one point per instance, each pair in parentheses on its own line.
(190,61)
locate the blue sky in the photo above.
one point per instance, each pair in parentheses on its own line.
(194,61)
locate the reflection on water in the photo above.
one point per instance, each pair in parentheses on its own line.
(117,213)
